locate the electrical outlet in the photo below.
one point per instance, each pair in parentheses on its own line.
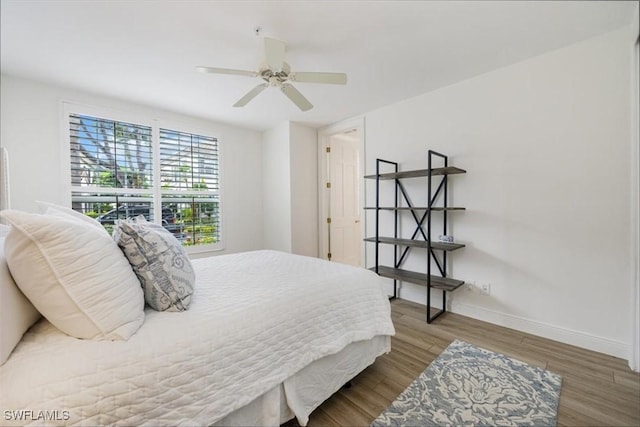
(469,286)
(485,288)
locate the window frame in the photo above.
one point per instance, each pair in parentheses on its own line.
(69,108)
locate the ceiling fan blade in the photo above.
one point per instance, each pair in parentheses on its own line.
(274,53)
(294,95)
(331,78)
(250,95)
(214,70)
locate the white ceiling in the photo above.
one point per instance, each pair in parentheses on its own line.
(145,51)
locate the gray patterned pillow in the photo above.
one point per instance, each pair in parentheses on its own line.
(159,261)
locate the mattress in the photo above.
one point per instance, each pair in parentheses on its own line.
(255,320)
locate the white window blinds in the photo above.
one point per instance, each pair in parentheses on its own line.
(120,170)
(109,154)
(189,175)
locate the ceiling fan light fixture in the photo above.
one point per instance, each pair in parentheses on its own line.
(277,73)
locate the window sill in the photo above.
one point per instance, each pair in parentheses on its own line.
(202,251)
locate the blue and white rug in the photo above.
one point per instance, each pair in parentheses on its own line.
(467,385)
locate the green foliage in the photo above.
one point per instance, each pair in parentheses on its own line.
(199,233)
(200,185)
(207,229)
(103,207)
(187,214)
(199,241)
(127,178)
(136,179)
(106,179)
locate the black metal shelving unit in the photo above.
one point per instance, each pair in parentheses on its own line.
(420,238)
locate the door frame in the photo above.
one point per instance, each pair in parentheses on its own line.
(324,136)
(634,351)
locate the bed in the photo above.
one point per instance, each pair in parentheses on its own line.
(268,337)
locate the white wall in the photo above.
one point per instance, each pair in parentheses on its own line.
(290,189)
(31,132)
(546,146)
(304,190)
(276,188)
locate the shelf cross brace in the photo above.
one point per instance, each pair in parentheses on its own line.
(419,223)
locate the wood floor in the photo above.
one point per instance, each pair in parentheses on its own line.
(597,390)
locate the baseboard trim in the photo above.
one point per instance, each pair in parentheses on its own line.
(545,330)
(534,327)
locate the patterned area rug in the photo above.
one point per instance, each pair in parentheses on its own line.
(467,385)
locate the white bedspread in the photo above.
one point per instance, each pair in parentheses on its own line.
(256,318)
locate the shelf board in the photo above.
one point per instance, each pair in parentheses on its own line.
(416,243)
(437,282)
(449,170)
(415,208)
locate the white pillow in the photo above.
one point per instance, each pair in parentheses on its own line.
(17,314)
(4,230)
(159,261)
(74,275)
(61,211)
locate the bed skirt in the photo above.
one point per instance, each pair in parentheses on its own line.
(299,395)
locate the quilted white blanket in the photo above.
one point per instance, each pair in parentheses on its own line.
(256,318)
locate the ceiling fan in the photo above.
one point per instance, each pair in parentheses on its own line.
(276,72)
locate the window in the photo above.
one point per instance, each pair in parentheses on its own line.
(189,183)
(121,170)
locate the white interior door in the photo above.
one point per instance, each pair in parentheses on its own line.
(344,202)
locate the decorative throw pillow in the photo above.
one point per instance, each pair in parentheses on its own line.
(17,314)
(159,261)
(74,275)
